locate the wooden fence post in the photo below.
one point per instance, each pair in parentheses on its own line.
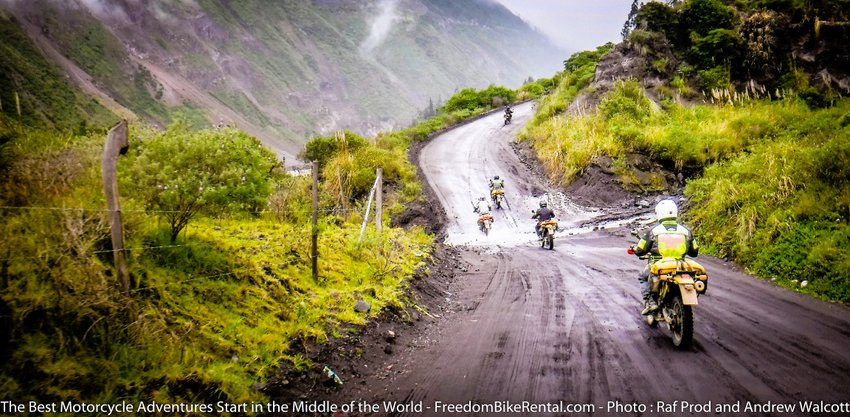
(314,251)
(379,194)
(117,143)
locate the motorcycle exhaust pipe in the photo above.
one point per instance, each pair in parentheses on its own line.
(699,286)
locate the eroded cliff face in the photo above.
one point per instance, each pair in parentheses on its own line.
(285,71)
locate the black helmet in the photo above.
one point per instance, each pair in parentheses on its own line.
(496,177)
(542,204)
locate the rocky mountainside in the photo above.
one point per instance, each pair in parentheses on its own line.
(283,71)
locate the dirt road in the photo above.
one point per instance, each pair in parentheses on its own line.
(562,326)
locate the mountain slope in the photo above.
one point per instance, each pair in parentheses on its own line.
(285,71)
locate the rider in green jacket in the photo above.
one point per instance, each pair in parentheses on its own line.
(667,239)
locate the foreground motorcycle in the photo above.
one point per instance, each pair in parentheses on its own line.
(497,196)
(547,232)
(677,283)
(484,223)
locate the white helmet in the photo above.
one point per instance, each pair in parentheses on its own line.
(666,209)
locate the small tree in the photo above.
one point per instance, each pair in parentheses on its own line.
(658,17)
(630,20)
(180,173)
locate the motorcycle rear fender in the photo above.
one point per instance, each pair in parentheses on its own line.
(686,288)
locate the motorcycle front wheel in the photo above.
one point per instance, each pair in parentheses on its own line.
(682,323)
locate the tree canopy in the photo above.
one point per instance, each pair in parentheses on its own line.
(179,173)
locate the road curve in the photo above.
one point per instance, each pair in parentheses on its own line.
(529,324)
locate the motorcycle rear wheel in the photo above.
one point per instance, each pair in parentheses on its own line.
(550,240)
(682,325)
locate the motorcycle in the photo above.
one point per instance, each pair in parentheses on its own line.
(677,283)
(484,223)
(547,232)
(497,196)
(508,117)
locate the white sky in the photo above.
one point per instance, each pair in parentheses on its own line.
(574,25)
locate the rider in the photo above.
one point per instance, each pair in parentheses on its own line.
(542,214)
(508,111)
(663,240)
(496,184)
(482,206)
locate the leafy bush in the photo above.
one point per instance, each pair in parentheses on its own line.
(470,100)
(466,99)
(720,47)
(179,173)
(703,16)
(659,17)
(323,148)
(626,100)
(586,59)
(714,78)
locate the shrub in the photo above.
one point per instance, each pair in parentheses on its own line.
(719,47)
(179,174)
(661,18)
(626,100)
(323,148)
(703,16)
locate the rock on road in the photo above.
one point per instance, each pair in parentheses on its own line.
(529,324)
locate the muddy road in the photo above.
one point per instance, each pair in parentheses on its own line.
(530,324)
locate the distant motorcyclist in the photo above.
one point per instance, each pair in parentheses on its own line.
(496,183)
(482,206)
(542,214)
(508,114)
(667,239)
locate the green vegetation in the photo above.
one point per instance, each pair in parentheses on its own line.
(220,170)
(722,45)
(578,73)
(211,314)
(782,207)
(470,100)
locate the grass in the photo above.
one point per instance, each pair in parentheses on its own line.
(210,316)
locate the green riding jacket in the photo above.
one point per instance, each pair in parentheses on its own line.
(668,239)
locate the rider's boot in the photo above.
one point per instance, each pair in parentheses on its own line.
(650,305)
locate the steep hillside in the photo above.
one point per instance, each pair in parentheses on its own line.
(33,86)
(285,71)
